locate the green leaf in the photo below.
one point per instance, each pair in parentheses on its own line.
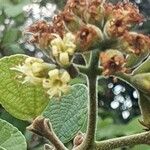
(23,101)
(134,60)
(11,138)
(144,103)
(11,36)
(141,147)
(78,80)
(142,82)
(11,49)
(21,125)
(69,113)
(143,68)
(13,9)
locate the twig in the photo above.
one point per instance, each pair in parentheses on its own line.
(43,127)
(131,140)
(91,72)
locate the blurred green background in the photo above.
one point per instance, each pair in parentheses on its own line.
(118,102)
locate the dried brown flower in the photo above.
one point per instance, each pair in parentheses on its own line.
(112,61)
(121,17)
(88,37)
(126,11)
(115,28)
(95,12)
(77,6)
(71,21)
(136,43)
(41,32)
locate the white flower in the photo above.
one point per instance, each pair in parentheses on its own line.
(34,70)
(57,83)
(62,49)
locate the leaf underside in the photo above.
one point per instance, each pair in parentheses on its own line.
(69,113)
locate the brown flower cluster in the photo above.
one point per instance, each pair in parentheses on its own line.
(136,43)
(87,37)
(76,6)
(91,22)
(122,16)
(112,61)
(73,19)
(43,31)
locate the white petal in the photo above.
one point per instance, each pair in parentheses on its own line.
(31,60)
(65,77)
(65,88)
(55,51)
(64,58)
(70,51)
(54,74)
(47,83)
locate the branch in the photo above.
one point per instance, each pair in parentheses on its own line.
(91,73)
(123,76)
(141,138)
(43,127)
(82,69)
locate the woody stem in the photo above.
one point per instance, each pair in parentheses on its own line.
(91,72)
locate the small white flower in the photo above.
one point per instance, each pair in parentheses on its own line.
(62,49)
(57,83)
(64,58)
(34,70)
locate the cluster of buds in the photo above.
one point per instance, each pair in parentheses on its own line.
(40,34)
(63,49)
(135,43)
(37,72)
(112,61)
(121,17)
(82,26)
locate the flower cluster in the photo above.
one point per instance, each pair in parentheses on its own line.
(112,61)
(91,23)
(83,26)
(135,43)
(37,72)
(121,18)
(63,49)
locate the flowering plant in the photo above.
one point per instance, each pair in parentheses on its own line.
(96,27)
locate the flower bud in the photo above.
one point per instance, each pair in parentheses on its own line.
(112,61)
(88,38)
(64,58)
(135,43)
(63,49)
(95,13)
(77,7)
(78,139)
(71,21)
